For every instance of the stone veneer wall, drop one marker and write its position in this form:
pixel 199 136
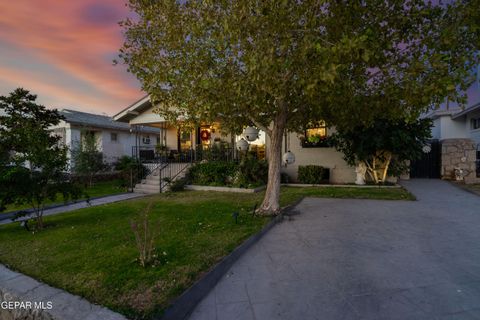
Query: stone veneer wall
pixel 459 153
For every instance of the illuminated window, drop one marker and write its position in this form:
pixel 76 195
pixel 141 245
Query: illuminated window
pixel 314 133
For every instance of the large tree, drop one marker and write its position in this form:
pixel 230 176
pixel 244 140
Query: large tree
pixel 280 64
pixel 33 162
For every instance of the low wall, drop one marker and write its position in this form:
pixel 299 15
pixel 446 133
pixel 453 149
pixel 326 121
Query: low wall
pixel 459 153
pixel 223 189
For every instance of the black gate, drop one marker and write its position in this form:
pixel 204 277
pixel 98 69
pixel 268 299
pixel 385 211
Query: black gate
pixel 429 165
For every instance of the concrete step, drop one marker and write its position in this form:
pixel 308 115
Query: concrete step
pixel 145 188
pixel 151 182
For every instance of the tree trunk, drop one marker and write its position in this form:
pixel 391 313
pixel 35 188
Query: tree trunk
pixel 271 202
pixel 387 165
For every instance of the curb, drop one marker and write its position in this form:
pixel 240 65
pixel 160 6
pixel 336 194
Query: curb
pixel 365 186
pixel 183 306
pixel 224 189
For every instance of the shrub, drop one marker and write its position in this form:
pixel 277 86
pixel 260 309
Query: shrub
pixel 312 174
pixel 144 237
pixel 131 170
pixel 215 173
pixel 251 173
pixel 178 185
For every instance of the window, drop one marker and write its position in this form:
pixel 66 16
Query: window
pixel 113 137
pixel 475 123
pixel 146 139
pixel 316 131
pixel 316 136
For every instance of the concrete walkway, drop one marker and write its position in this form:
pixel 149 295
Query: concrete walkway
pixel 7 218
pixel 42 302
pixel 361 259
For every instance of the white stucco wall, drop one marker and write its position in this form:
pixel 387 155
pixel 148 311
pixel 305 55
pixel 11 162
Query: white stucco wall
pixel 452 129
pixel 474 134
pixel 146 117
pixel 340 171
pixel 436 131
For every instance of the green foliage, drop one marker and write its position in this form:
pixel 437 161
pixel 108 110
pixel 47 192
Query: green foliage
pixel 178 185
pixel 214 173
pixel 386 144
pixel 249 173
pixel 312 174
pixel 33 161
pixel 282 64
pixel 131 170
pixel 87 158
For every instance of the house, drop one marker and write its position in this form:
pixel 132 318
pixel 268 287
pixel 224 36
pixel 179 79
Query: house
pixel 458 131
pixel 114 139
pixel 309 147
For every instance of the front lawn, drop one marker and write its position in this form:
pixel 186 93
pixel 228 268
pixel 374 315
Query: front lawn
pixel 99 189
pixel 91 252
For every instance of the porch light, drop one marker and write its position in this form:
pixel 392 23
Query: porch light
pixel 250 133
pixel 242 145
pixel 288 157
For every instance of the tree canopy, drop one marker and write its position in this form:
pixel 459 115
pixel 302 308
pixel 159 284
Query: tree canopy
pixel 282 64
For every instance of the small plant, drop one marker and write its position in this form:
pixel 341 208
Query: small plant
pixel 178 185
pixel 145 237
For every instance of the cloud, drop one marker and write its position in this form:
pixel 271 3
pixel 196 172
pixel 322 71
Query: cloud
pixel 72 44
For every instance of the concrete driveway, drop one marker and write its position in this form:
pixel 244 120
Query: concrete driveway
pixel 361 259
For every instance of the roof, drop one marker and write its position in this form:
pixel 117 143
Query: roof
pixel 133 110
pixel 99 121
pixel 473 108
pixel 434 114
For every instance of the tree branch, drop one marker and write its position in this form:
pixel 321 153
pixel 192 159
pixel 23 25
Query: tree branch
pixel 260 126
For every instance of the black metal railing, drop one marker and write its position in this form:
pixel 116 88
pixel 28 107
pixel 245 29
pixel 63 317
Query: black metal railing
pixel 169 164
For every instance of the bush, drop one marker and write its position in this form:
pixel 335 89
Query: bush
pixel 215 173
pixel 312 174
pixel 251 173
pixel 131 170
pixel 246 174
pixel 178 185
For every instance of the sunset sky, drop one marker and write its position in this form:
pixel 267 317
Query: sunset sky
pixel 63 51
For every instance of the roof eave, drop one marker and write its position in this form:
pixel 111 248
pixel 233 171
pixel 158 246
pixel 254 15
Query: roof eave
pixel 475 107
pixel 133 110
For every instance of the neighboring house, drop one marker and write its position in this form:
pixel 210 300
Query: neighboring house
pixel 307 146
pixel 458 131
pixel 114 139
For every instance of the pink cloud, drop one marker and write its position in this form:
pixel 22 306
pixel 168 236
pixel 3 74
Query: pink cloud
pixel 78 37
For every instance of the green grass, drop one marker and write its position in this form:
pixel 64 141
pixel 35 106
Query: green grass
pixel 99 189
pixel 91 252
